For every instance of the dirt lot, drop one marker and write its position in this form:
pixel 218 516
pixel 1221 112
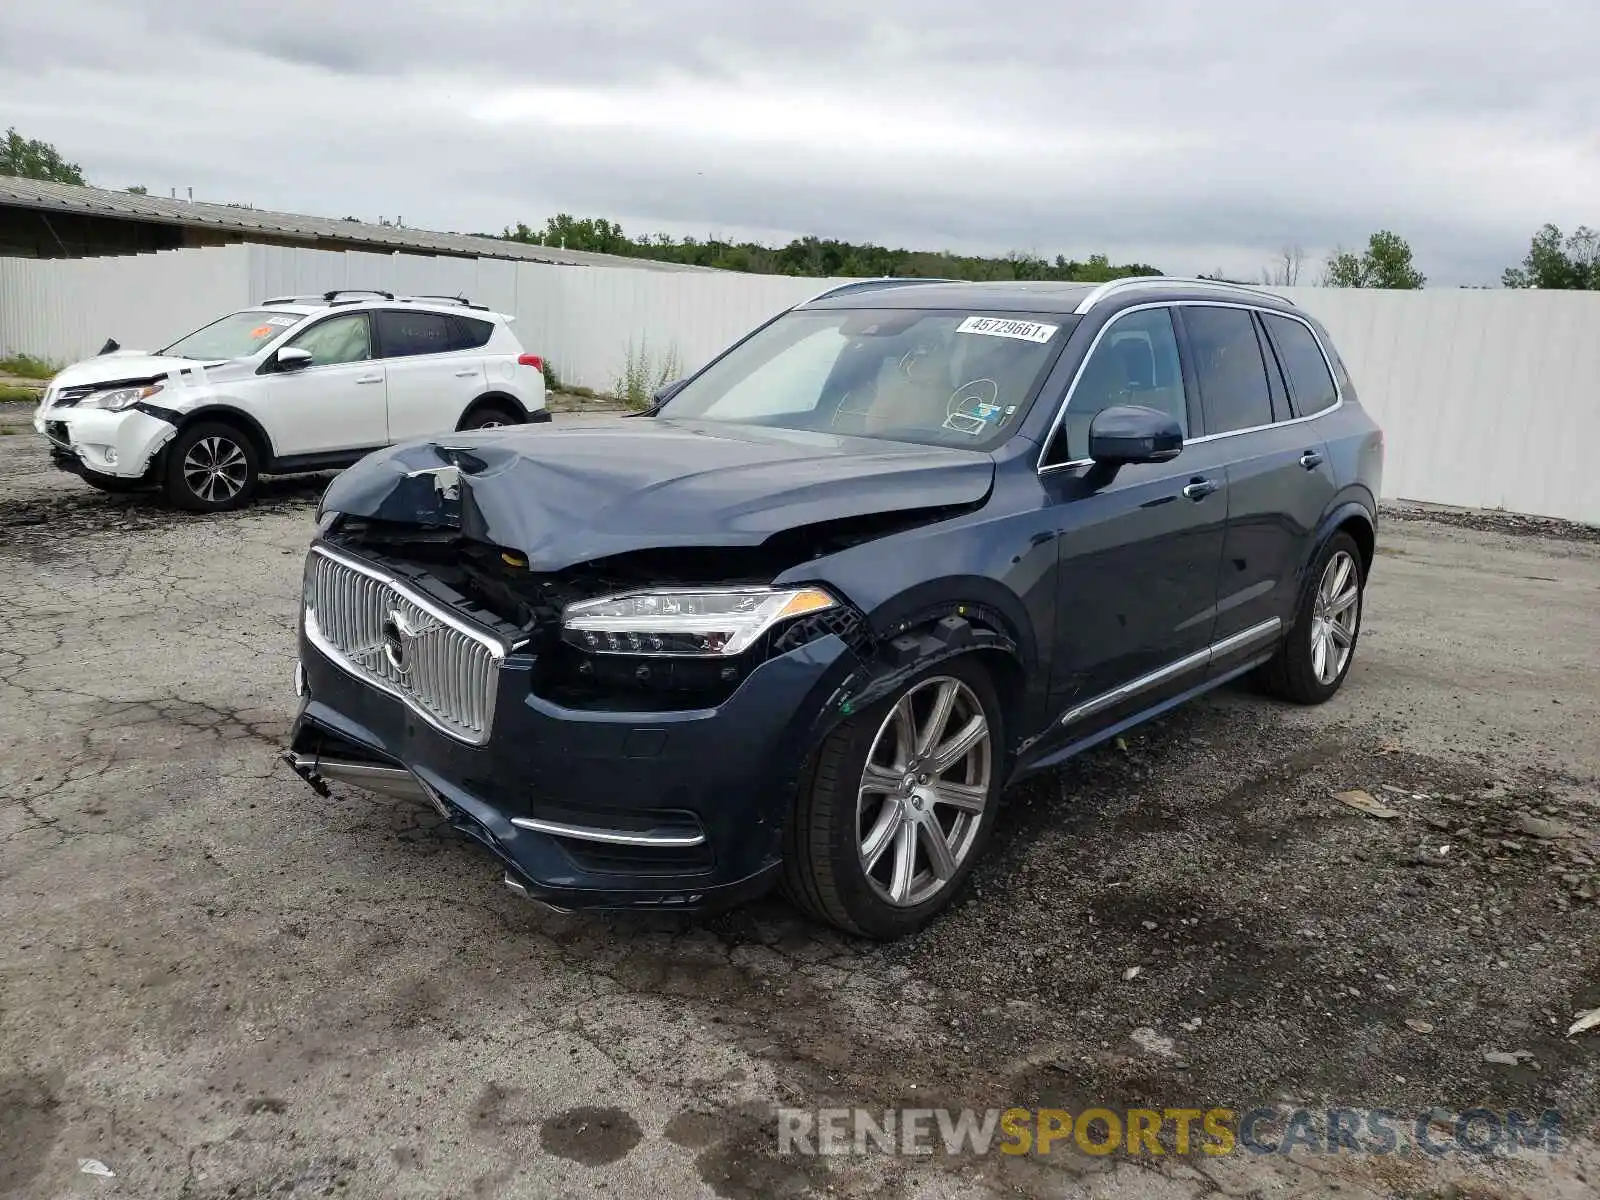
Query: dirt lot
pixel 220 985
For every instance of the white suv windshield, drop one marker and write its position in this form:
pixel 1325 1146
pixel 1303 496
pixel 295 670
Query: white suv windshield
pixel 237 335
pixel 941 377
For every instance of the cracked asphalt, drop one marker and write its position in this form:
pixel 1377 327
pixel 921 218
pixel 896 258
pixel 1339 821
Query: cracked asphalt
pixel 219 985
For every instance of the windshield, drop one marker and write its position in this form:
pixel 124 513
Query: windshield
pixel 237 335
pixel 935 377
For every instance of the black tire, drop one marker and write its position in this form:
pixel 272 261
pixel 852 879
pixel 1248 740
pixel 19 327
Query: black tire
pixel 110 483
pixel 191 483
pixel 1293 672
pixel 489 416
pixel 823 872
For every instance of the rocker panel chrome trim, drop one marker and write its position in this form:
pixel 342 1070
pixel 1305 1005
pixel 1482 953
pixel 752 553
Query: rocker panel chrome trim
pixel 1190 662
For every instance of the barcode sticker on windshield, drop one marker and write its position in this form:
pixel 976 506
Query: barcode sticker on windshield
pixel 282 320
pixel 1023 331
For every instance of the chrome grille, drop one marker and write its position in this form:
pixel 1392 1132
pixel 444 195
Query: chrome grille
pixel 66 397
pixel 411 647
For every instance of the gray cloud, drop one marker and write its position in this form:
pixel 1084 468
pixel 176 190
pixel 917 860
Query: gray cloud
pixel 1187 134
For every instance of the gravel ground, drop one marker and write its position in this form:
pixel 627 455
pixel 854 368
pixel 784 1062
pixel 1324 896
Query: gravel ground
pixel 16 418
pixel 219 985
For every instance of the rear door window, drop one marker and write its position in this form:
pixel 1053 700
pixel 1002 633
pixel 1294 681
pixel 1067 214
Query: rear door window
pixel 404 334
pixel 1229 366
pixel 1309 377
pixel 472 333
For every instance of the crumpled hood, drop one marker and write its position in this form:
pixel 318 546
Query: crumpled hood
pixel 573 493
pixel 113 368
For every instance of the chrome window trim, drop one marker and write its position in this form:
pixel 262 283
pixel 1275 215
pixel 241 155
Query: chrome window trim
pixel 1189 662
pixel 1061 413
pixel 496 647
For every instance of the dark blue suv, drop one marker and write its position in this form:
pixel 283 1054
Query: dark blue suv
pixel 804 619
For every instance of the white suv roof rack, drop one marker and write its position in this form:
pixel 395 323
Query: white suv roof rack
pixel 457 301
pixel 359 295
pixel 335 296
pixel 1135 281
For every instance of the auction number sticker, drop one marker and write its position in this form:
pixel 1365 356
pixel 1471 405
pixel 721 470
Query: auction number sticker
pixel 1022 331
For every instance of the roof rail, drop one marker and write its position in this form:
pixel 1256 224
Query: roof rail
pixel 460 301
pixel 330 297
pixel 1134 281
pixel 869 285
pixel 294 300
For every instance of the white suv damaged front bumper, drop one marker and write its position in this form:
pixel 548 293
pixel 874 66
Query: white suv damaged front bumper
pixel 119 444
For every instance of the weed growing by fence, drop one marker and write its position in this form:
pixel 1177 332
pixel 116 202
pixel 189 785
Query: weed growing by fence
pixel 642 376
pixel 26 366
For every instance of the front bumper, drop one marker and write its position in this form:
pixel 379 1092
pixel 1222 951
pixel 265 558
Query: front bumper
pixel 594 809
pixel 117 444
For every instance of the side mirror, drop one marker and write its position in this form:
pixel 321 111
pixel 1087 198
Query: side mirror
pixel 292 358
pixel 1131 433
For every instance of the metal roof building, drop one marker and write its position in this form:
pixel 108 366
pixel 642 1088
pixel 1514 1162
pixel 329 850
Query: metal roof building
pixel 39 219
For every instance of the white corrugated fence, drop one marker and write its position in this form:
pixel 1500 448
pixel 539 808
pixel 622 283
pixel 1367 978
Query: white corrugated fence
pixel 1488 399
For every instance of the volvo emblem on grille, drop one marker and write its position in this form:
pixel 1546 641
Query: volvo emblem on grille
pixel 398 635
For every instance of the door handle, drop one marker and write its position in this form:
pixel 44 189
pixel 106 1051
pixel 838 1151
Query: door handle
pixel 1311 460
pixel 1199 488
pixel 465 374
pixel 370 379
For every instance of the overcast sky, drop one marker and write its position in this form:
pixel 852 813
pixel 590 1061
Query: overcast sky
pixel 1194 134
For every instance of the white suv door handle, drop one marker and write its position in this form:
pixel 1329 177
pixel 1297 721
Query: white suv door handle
pixel 370 379
pixel 466 374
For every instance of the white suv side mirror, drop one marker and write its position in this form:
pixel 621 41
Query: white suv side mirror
pixel 292 358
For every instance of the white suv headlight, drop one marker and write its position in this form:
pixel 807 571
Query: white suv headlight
pixel 710 623
pixel 119 398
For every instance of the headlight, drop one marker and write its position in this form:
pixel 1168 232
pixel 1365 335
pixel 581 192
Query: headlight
pixel 121 398
pixel 706 624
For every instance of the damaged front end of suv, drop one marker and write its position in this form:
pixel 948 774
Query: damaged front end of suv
pixel 806 617
pixel 610 652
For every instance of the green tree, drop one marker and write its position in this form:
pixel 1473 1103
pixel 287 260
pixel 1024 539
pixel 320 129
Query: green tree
pixel 1554 261
pixel 30 158
pixel 137 189
pixel 815 256
pixel 1385 263
pixel 572 233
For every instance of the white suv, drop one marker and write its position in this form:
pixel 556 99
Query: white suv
pixel 302 383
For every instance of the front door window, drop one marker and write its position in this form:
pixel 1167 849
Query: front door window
pixel 343 339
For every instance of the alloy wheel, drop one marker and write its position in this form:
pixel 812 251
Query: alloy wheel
pixel 215 469
pixel 1335 618
pixel 923 791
